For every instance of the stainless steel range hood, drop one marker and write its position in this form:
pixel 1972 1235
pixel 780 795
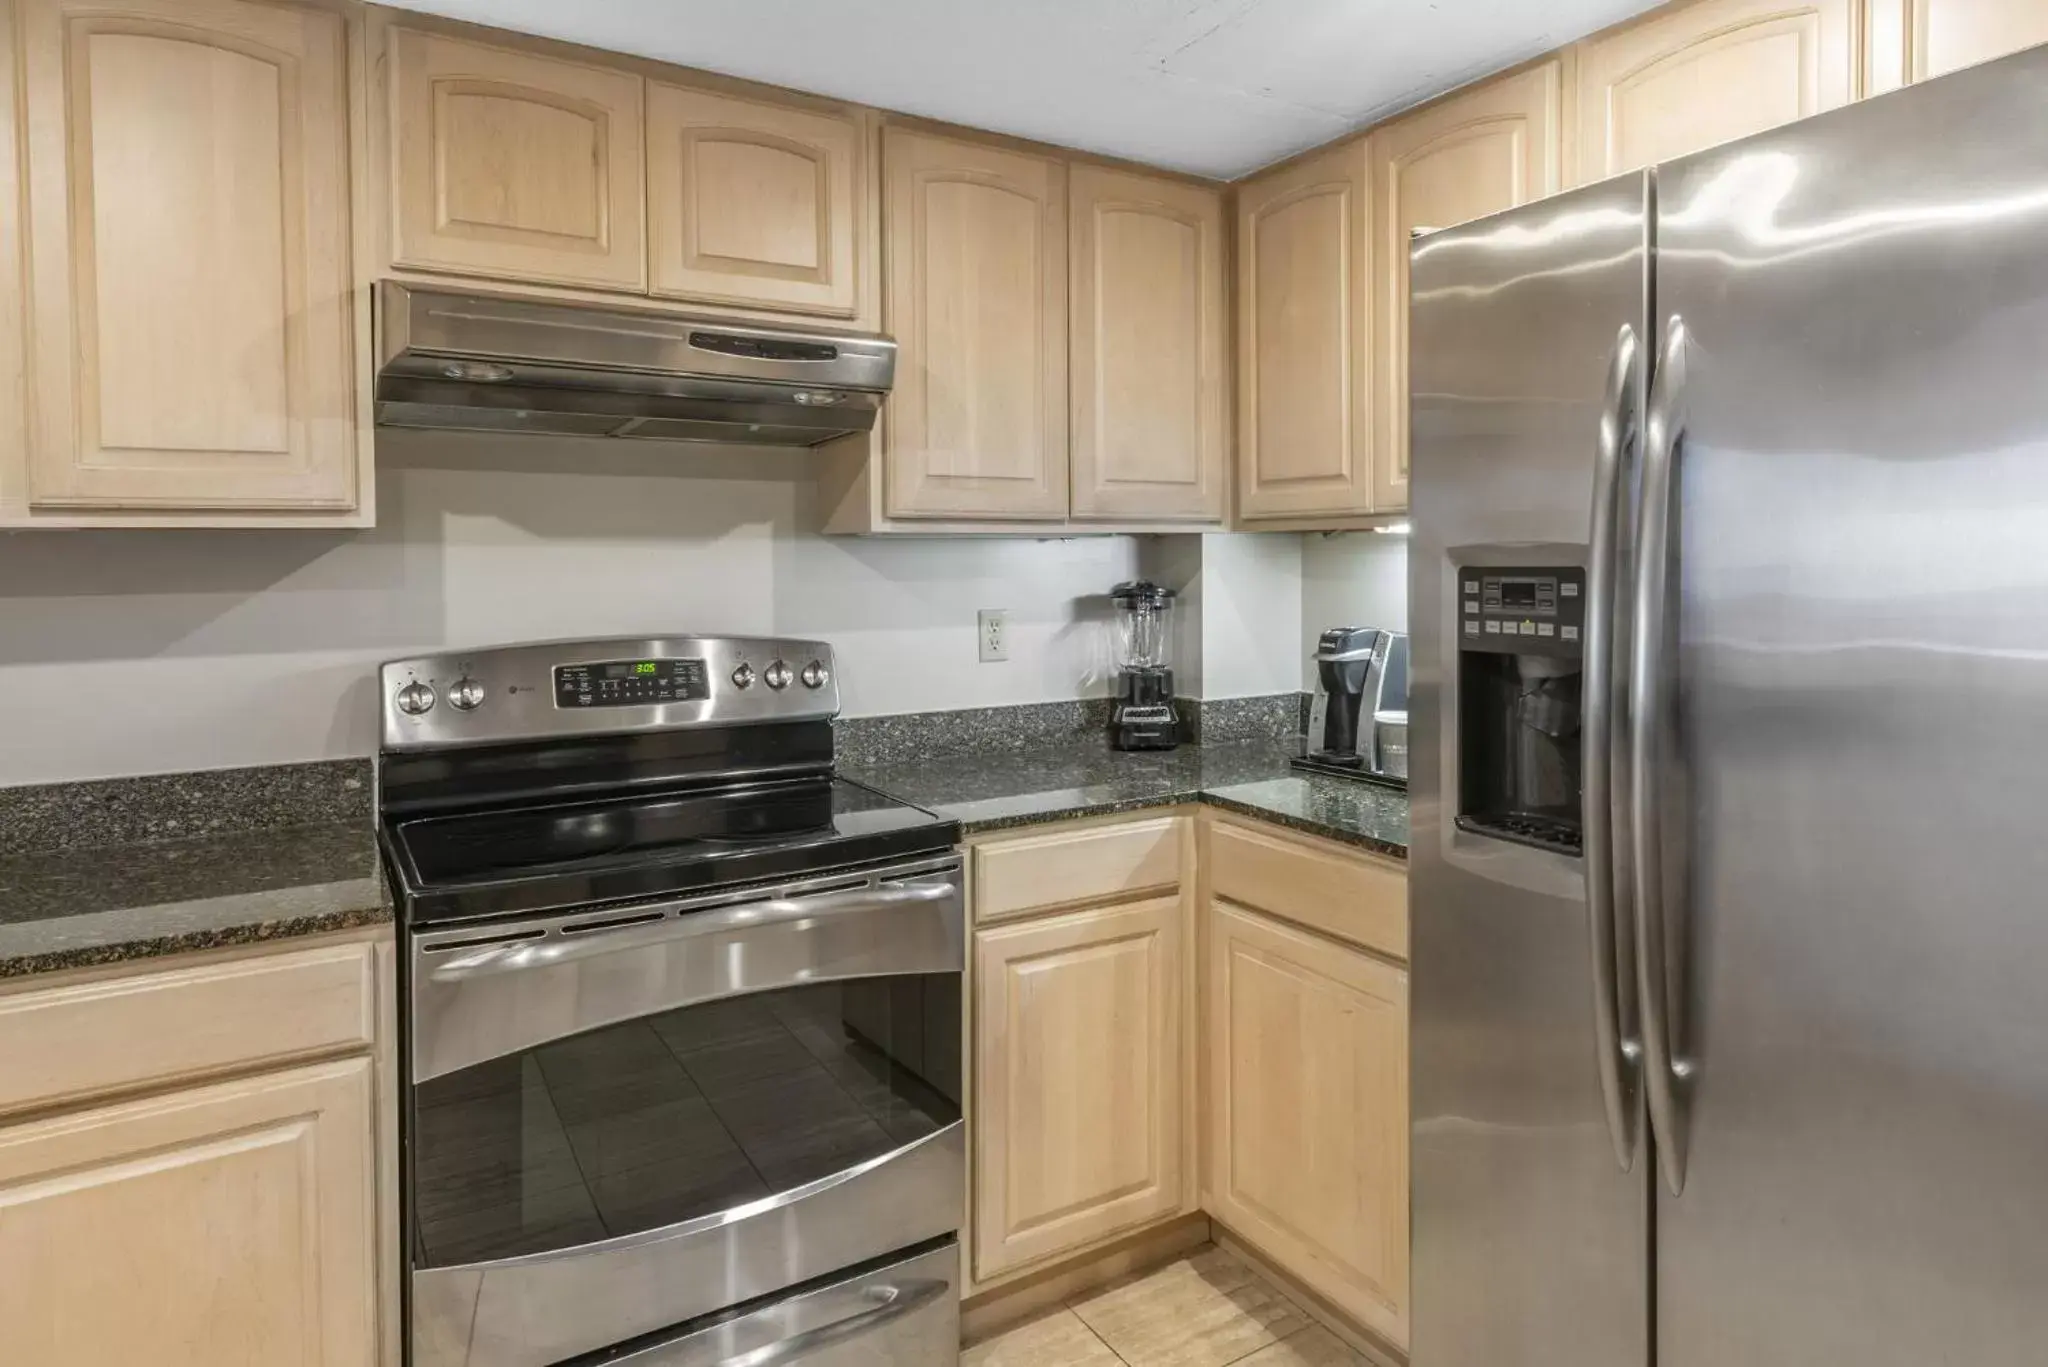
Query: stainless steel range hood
pixel 481 362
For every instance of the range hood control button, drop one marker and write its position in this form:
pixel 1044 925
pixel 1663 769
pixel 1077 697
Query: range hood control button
pixel 778 676
pixel 743 677
pixel 815 674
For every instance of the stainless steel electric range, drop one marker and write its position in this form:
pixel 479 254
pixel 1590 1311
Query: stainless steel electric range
pixel 682 1022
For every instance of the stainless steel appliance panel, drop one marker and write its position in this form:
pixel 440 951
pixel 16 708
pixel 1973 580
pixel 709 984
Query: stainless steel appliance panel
pixel 481 993
pixel 484 362
pixel 536 1311
pixel 1530 1240
pixel 506 693
pixel 1852 678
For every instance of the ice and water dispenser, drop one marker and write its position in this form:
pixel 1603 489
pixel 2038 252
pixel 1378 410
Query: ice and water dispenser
pixel 1521 635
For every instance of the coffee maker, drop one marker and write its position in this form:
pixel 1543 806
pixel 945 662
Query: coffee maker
pixel 1143 717
pixel 1358 726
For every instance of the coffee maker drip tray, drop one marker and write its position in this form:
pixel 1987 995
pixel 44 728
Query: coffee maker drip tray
pixel 1352 767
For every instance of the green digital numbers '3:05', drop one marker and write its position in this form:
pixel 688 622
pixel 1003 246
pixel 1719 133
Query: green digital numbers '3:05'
pixel 646 667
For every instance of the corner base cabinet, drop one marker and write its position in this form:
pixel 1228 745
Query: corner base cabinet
pixel 1307 1053
pixel 189 330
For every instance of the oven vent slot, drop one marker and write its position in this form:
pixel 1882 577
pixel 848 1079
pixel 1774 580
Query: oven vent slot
pixel 612 923
pixel 482 942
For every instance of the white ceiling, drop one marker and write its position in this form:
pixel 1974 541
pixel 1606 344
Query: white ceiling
pixel 1217 87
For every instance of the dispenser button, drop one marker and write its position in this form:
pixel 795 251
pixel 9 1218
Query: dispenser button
pixel 1571 590
pixel 1545 629
pixel 1493 628
pixel 1571 633
pixel 1471 628
pixel 1472 606
pixel 1471 586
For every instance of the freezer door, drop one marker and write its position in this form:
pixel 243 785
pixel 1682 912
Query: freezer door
pixel 1856 964
pixel 1530 1243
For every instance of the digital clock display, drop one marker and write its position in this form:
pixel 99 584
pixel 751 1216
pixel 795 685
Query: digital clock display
pixel 631 683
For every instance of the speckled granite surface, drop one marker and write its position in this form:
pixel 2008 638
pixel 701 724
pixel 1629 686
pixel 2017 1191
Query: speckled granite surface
pixel 1032 727
pixel 993 792
pixel 125 811
pixel 75 908
pixel 131 868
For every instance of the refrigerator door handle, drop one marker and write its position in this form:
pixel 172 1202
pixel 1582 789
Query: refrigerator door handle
pixel 1606 868
pixel 1649 706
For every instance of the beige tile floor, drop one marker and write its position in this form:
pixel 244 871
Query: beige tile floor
pixel 1208 1310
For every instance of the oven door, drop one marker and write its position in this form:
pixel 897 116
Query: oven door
pixel 624 1120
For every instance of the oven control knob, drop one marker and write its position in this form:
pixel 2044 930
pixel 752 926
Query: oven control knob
pixel 416 698
pixel 743 677
pixel 815 674
pixel 466 693
pixel 778 676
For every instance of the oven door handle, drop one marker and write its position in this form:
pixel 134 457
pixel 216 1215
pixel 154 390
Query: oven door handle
pixel 516 956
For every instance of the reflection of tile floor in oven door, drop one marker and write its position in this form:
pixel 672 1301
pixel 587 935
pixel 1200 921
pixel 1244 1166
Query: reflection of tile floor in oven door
pixel 652 1122
pixel 1208 1310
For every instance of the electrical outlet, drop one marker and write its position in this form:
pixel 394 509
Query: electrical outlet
pixel 994 630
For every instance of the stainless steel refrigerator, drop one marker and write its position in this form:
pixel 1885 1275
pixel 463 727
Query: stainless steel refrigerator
pixel 1729 866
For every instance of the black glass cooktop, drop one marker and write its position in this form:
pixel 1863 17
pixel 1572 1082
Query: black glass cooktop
pixel 550 855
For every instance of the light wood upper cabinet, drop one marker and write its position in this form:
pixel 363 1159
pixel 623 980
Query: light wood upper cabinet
pixel 225 1224
pixel 1698 75
pixel 1149 361
pixel 1307 1047
pixel 1913 40
pixel 1489 148
pixel 975 255
pixel 756 205
pixel 1078 1080
pixel 515 166
pixel 1304 443
pixel 189 323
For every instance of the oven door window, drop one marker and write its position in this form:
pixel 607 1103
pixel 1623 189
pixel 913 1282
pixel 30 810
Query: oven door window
pixel 674 1117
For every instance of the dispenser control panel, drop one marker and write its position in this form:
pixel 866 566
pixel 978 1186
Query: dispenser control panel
pixel 1522 611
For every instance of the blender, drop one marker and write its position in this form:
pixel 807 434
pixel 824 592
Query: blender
pixel 1143 717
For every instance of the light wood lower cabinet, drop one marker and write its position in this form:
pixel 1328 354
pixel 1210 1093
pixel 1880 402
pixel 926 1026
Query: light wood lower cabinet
pixel 188 320
pixel 1689 77
pixel 226 1226
pixel 1079 1067
pixel 1307 1047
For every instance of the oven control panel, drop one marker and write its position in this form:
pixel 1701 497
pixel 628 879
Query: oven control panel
pixel 1522 611
pixel 631 683
pixel 568 688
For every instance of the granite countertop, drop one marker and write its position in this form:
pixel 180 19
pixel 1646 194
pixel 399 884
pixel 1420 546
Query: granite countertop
pixel 994 792
pixel 72 908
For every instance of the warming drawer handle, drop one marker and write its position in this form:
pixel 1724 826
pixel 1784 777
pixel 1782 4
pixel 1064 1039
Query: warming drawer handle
pixel 892 1302
pixel 1660 929
pixel 518 956
pixel 1611 943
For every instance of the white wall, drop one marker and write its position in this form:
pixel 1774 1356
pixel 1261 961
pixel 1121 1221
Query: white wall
pixel 1353 579
pixel 1251 614
pixel 128 652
